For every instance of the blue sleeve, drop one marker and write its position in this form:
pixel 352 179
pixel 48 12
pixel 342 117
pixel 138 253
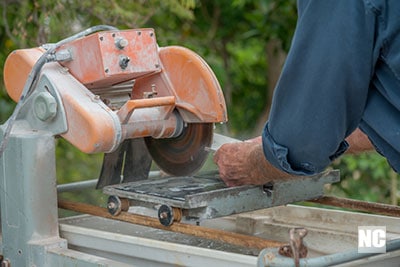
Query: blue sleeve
pixel 321 94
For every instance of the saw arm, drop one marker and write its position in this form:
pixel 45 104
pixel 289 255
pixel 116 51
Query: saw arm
pixel 119 85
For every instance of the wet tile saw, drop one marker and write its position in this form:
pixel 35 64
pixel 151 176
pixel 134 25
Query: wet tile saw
pixel 117 92
pixel 123 95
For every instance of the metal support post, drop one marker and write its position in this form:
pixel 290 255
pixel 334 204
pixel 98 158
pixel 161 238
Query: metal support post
pixel 28 194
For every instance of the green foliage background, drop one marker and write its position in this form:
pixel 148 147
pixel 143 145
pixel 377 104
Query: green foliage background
pixel 233 36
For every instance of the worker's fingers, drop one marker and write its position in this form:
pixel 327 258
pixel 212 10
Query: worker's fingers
pixel 223 159
pixel 232 161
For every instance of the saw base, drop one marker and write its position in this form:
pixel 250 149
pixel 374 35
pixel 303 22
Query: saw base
pixel 205 196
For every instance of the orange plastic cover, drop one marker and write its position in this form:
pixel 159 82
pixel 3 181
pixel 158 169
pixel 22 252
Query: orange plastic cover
pixel 17 67
pixel 188 77
pixel 92 126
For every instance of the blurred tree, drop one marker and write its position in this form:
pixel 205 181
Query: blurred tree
pixel 366 176
pixel 245 42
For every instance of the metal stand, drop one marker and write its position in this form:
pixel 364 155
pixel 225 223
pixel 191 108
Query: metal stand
pixel 29 215
pixel 30 218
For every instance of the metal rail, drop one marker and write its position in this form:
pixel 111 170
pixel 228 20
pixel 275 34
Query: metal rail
pixel 89 184
pixel 268 258
pixel 77 186
pixel 371 207
pixel 194 230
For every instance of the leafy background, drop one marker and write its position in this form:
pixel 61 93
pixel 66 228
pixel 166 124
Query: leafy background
pixel 244 41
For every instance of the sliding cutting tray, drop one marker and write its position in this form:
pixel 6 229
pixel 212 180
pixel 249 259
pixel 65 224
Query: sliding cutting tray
pixel 205 196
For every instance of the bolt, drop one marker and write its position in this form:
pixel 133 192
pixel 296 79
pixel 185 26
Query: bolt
pixel 45 106
pixel 111 205
pixel 163 215
pixel 121 43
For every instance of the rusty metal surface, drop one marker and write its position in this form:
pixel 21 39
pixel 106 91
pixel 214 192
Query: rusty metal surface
pixel 329 231
pixel 197 231
pixel 144 246
pixel 372 207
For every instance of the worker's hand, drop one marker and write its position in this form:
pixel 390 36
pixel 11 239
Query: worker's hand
pixel 245 163
pixel 236 162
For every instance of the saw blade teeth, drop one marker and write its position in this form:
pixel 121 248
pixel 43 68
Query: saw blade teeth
pixel 183 155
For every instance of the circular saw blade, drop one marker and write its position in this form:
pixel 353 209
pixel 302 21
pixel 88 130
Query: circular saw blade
pixel 185 154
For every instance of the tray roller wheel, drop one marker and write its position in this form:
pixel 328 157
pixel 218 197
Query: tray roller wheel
pixel 115 205
pixel 167 215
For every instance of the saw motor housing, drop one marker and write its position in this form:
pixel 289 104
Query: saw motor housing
pixel 119 85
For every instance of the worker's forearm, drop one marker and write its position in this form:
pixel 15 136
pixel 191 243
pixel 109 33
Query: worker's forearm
pixel 358 142
pixel 245 162
pixel 264 168
pixel 259 162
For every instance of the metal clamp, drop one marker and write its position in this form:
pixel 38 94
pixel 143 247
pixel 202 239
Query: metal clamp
pixel 296 248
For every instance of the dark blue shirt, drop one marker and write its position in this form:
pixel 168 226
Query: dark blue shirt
pixel 342 72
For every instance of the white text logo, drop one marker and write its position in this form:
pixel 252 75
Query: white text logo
pixel 371 239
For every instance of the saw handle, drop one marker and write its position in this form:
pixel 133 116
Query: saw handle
pixel 127 109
